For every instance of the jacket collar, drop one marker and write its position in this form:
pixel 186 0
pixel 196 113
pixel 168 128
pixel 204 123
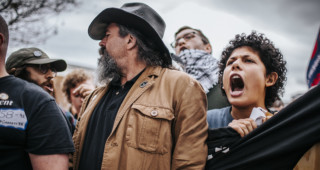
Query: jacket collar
pixel 152 71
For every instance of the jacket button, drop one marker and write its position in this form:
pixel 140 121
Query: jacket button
pixel 143 84
pixel 154 113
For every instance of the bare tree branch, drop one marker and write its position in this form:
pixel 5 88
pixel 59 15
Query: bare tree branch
pixel 28 18
pixel 5 4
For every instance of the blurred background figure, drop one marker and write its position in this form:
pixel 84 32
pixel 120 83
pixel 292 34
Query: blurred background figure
pixel 194 53
pixel 76 86
pixel 296 96
pixel 277 105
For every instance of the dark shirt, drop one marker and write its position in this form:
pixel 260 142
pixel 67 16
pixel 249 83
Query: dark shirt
pixel 101 123
pixel 216 98
pixel 30 122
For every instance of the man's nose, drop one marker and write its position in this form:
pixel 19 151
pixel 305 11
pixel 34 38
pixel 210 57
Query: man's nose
pixel 50 74
pixel 102 43
pixel 180 42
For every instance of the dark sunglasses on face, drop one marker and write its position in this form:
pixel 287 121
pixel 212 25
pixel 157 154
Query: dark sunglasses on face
pixel 44 68
pixel 186 37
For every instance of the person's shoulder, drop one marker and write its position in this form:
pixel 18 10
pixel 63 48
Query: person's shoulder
pixel 15 80
pixel 218 112
pixel 26 94
pixel 173 77
pixel 174 71
pixel 23 85
pixel 182 80
pixel 31 90
pixel 176 74
pixel 218 117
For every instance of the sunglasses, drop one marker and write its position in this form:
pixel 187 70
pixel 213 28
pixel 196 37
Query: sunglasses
pixel 44 68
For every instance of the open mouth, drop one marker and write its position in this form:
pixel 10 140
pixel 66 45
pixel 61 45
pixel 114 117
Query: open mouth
pixel 48 86
pixel 183 48
pixel 237 84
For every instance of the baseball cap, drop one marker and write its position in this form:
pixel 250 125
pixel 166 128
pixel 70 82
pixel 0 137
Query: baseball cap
pixel 33 56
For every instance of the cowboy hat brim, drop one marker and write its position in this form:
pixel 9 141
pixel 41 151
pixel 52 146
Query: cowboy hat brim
pixel 97 28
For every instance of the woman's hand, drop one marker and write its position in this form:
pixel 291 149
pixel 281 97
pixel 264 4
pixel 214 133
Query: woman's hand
pixel 243 126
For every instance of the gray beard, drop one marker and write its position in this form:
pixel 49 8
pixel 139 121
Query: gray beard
pixel 107 68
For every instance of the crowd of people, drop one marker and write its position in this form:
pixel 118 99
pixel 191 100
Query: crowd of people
pixel 153 109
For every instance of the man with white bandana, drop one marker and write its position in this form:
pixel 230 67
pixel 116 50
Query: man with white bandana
pixel 193 51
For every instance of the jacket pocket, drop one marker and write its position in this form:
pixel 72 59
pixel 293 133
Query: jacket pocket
pixel 149 128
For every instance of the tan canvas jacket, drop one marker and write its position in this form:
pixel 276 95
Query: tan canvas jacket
pixel 160 125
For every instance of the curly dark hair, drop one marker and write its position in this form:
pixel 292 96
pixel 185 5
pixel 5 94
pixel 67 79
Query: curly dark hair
pixel 271 57
pixel 73 79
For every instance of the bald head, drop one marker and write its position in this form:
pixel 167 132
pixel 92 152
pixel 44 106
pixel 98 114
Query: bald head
pixel 4 37
pixel 4 28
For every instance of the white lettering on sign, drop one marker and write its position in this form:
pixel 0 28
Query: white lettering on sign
pixel 6 102
pixel 13 118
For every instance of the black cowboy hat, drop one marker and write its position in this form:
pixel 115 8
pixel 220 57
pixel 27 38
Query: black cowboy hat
pixel 135 15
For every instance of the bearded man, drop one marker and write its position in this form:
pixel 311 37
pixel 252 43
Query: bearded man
pixel 147 115
pixel 35 66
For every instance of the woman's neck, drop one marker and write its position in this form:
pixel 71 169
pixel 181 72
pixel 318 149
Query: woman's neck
pixel 242 112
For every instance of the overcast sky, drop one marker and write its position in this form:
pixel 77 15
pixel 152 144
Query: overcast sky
pixel 291 24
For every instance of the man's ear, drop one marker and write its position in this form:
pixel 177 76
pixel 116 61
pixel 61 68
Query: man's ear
pixel 271 79
pixel 208 48
pixel 131 41
pixel 12 71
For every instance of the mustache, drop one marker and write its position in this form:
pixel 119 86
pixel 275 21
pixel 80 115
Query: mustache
pixel 48 83
pixel 102 51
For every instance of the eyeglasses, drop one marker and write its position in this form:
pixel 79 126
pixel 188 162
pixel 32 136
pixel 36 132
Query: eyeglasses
pixel 44 68
pixel 186 37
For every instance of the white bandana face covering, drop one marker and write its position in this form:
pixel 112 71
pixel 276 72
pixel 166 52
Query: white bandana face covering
pixel 202 66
